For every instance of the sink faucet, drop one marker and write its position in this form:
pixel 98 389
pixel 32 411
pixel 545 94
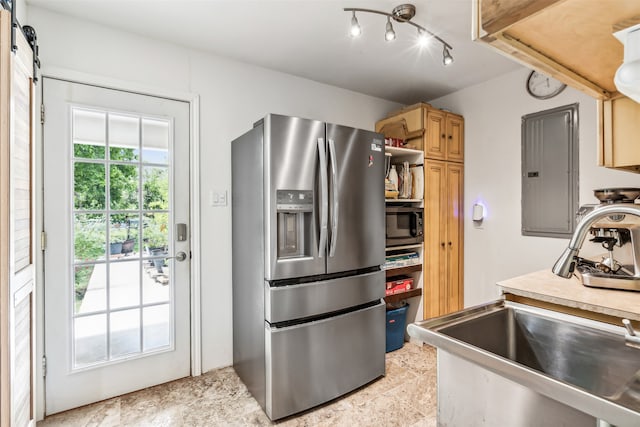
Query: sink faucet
pixel 565 265
pixel 631 338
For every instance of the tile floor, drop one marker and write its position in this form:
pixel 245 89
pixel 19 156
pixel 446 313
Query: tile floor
pixel 406 396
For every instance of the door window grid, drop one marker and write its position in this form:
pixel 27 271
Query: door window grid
pixel 140 339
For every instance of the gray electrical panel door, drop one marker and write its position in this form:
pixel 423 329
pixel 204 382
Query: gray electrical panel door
pixel 550 172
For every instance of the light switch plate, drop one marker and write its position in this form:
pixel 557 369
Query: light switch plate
pixel 218 198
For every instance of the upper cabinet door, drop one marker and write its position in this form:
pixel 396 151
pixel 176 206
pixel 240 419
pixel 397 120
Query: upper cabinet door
pixel 444 136
pixel 455 138
pixel 436 137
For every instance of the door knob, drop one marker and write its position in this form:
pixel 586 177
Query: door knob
pixel 181 256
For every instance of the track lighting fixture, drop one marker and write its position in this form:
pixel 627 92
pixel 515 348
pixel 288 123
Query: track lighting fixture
pixel 447 59
pixel 355 26
pixel 423 37
pixel 402 14
pixel 389 34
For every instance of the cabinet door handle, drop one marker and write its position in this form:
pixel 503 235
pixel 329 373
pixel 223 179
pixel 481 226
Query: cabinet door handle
pixel 442 244
pixel 449 243
pixel 444 136
pixel 450 137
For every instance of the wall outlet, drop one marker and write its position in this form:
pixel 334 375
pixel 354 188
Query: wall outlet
pixel 218 198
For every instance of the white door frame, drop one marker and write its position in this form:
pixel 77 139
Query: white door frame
pixel 194 196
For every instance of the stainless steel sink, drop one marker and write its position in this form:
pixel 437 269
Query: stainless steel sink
pixel 581 363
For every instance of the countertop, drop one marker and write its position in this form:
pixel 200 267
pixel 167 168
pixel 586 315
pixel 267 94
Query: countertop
pixel 545 286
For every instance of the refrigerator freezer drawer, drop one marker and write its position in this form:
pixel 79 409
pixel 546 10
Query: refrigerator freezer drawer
pixel 312 363
pixel 292 302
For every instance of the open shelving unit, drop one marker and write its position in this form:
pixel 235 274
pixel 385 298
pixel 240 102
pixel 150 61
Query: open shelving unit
pixel 412 296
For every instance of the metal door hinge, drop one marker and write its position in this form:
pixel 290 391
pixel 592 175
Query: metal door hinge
pixel 44 366
pixel 41 114
pixel 43 241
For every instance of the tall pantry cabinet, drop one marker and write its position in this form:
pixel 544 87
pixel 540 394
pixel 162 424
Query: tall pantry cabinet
pixel 441 135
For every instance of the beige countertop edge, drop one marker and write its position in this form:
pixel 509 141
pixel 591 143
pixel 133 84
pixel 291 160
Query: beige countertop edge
pixel 545 286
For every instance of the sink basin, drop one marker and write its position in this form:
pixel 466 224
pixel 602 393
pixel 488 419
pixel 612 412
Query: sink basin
pixel 582 363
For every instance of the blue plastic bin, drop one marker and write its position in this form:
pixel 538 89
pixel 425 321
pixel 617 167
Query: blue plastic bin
pixel 396 321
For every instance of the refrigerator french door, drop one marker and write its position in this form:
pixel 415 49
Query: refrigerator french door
pixel 308 245
pixel 324 205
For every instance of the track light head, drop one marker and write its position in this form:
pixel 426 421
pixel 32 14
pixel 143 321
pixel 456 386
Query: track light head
pixel 447 59
pixel 423 37
pixel 389 34
pixel 355 30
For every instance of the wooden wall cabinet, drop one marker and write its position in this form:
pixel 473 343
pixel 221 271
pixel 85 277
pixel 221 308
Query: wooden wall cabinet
pixel 439 133
pixel 444 248
pixel 620 130
pixel 573 43
pixel 444 136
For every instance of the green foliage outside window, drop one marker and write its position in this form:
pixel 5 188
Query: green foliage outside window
pixel 90 230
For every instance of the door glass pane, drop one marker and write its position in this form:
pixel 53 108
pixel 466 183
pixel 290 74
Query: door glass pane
pixel 125 333
pixel 89 186
pixel 155 194
pixel 123 183
pixel 156 281
pixel 90 288
pixel 89 134
pixel 90 236
pixel 124 284
pixel 155 233
pixel 155 141
pixel 90 340
pixel 124 137
pixel 157 330
pixel 123 235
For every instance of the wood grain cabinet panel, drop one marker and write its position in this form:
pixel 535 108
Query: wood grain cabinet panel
pixel 620 127
pixel 455 138
pixel 444 136
pixel 435 135
pixel 443 211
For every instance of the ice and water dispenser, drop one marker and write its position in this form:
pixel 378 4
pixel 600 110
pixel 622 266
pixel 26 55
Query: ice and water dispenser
pixel 295 210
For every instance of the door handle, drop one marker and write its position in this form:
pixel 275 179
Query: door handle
pixel 324 195
pixel 334 196
pixel 180 256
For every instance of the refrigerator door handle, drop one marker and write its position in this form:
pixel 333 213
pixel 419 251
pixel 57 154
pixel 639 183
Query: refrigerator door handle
pixel 324 194
pixel 334 196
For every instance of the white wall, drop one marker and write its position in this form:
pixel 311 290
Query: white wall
pixel 232 97
pixel 492 112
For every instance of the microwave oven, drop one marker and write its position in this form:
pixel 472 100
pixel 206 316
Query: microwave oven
pixel 404 225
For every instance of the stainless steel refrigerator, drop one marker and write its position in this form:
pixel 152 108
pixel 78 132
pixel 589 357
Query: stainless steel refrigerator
pixel 308 245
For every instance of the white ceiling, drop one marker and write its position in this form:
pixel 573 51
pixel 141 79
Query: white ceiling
pixel 309 38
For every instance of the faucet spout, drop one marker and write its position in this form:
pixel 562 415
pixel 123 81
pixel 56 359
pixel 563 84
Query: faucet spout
pixel 565 265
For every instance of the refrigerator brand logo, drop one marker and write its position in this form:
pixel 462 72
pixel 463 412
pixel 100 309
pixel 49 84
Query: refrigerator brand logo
pixel 376 147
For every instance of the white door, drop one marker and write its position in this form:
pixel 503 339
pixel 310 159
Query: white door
pixel 116 213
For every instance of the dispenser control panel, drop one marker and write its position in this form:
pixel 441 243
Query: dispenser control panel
pixel 294 200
